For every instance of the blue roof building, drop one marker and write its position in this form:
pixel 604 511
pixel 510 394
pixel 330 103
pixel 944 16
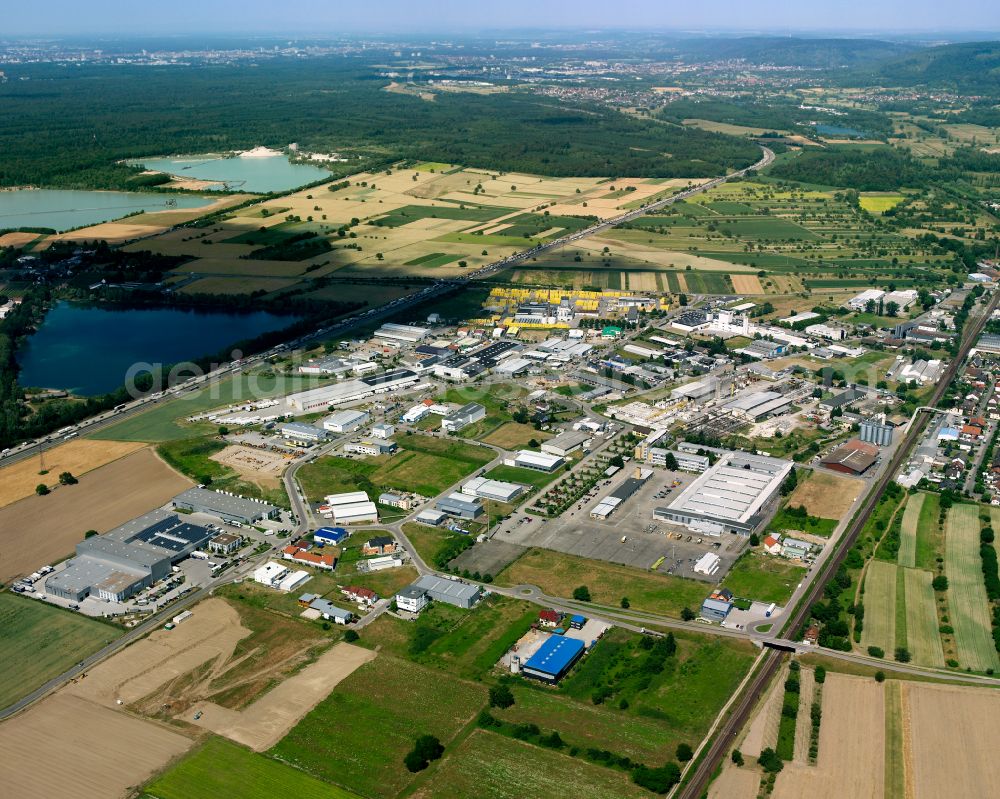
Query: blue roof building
pixel 330 535
pixel 553 659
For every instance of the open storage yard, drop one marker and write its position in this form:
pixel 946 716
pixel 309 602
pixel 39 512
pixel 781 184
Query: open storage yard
pixel 40 530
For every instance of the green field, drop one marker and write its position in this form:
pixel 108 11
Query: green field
pixel 414 213
pixel 816 525
pixel 432 259
pixel 557 574
pixel 895 761
pixel 529 477
pixel 464 643
pixel 423 464
pixel 663 709
pixel 357 736
pixel 490 766
pixel 765 578
pixel 40 641
pixel 907 555
pixel 930 538
pixel 878 202
pixel 967 603
pixel 215 769
pixel 880 606
pixel 165 421
pixel 922 637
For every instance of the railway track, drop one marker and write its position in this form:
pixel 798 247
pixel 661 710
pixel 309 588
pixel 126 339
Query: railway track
pixel 698 781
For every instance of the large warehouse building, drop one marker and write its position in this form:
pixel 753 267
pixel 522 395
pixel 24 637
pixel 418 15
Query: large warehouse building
pixel 553 659
pixel 118 564
pixel 732 496
pixel 318 399
pixel 227 507
pixel 852 457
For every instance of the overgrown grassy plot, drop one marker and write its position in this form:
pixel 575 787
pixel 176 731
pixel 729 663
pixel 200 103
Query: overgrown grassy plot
pixel 765 578
pixel 907 555
pixel 557 574
pixel 969 607
pixel 490 766
pixel 880 606
pixel 218 767
pixel 40 641
pixel 466 644
pixel 923 639
pixel 357 737
pixel 930 537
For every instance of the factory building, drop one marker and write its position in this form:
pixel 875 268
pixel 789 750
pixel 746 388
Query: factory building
pixel 613 501
pixel 553 659
pixel 460 505
pixel 496 490
pixel 349 508
pixel 539 461
pixel 405 334
pixel 699 391
pixel 228 507
pixel 853 457
pixel 758 405
pixel 732 496
pixel 303 432
pixel 275 575
pixel 345 421
pixel 565 443
pixel 352 390
pixel 118 564
pixel 368 447
pixel 463 417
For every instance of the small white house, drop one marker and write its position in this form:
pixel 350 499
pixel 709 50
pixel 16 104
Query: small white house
pixel 412 599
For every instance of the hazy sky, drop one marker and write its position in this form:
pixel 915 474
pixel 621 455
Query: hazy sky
pixel 333 16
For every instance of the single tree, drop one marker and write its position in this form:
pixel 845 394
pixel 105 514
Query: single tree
pixel 501 696
pixel 581 593
pixel 687 614
pixel 41 489
pixel 940 583
pixel 67 479
pixel 625 603
pixel 737 757
pixel 684 752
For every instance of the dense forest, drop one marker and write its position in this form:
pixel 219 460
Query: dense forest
pixel 68 127
pixel 879 169
pixel 772 115
pixel 971 67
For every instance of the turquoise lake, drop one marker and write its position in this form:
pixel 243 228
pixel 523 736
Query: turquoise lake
pixel 89 350
pixel 64 210
pixel 837 130
pixel 257 175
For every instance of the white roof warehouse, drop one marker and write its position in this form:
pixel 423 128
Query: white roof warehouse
pixel 732 496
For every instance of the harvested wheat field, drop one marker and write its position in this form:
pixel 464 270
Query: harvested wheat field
pixel 78 456
pixel 261 466
pixel 265 722
pixel 39 530
pixel 735 783
pixel 211 633
pixel 17 239
pixel 747 284
pixel 68 746
pixel 851 745
pixel 803 723
pixel 826 495
pixel 951 740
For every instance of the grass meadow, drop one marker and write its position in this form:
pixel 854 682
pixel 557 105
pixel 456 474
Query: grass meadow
pixel 967 603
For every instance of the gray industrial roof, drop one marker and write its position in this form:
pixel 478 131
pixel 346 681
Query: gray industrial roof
pixel 223 503
pixel 735 488
pixel 451 588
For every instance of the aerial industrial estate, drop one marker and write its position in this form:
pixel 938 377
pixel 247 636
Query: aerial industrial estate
pixel 613 421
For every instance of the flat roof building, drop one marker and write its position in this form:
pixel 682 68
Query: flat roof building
pixel 409 334
pixel 301 431
pixel 758 405
pixel 460 505
pixel 497 490
pixel 463 417
pixel 227 507
pixel 370 447
pixel 451 592
pixel 352 390
pixel 539 461
pixel 732 496
pixel 345 421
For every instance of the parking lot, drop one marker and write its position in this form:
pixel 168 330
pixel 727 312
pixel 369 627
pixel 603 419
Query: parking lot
pixel 630 535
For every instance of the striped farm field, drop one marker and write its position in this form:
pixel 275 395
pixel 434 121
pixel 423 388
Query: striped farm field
pixel 922 638
pixel 967 602
pixel 908 532
pixel 930 544
pixel 880 606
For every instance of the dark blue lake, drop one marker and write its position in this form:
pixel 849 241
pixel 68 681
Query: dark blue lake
pixel 89 350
